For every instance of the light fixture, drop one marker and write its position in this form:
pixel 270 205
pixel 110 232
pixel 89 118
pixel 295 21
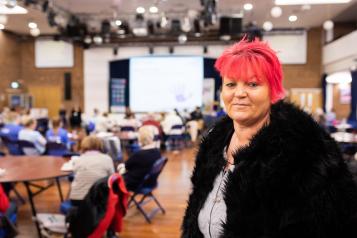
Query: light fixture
pixel 32 25
pixel 14 10
pixel 87 40
pixel 2 26
pixel 14 85
pixel 153 9
pixel 140 10
pixel 328 25
pixel 98 39
pixel 118 22
pixel 293 18
pixel 302 2
pixel 3 19
pixel 267 26
pixel 182 39
pixel 248 6
pixel 186 25
pixel 35 32
pixel 276 12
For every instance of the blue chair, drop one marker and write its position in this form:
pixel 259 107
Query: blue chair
pixel 65 207
pixel 176 139
pixel 28 148
pixel 11 145
pixel 145 191
pixel 56 149
pixel 8 224
pixel 90 127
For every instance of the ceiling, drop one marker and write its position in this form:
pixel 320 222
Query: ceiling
pixel 100 9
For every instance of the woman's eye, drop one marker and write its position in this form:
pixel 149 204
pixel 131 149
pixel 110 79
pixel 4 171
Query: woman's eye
pixel 252 84
pixel 230 85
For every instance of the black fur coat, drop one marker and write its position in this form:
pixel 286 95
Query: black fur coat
pixel 290 181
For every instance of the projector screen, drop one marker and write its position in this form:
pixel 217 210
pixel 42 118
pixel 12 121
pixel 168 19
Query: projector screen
pixel 162 83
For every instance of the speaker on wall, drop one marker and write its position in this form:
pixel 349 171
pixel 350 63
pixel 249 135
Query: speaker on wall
pixel 230 25
pixel 67 86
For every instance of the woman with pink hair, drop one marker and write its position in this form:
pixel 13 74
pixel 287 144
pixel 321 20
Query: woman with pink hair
pixel 267 169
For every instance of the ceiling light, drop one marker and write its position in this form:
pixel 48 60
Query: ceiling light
pixel 328 25
pixel 14 85
pixel 182 39
pixel 35 32
pixel 87 40
pixel 118 22
pixel 3 19
pixel 98 39
pixel 14 10
pixel 2 27
pixel 140 10
pixel 276 12
pixel 293 18
pixel 153 9
pixel 248 6
pixel 302 2
pixel 32 25
pixel 267 26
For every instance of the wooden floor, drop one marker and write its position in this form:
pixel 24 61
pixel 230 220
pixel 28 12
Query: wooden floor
pixel 174 186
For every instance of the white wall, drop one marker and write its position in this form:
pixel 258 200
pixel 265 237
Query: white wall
pixel 340 55
pixel 96 69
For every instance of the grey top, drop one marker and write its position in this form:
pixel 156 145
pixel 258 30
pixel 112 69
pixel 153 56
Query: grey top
pixel 214 212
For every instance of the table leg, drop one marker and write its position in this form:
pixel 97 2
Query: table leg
pixel 59 189
pixel 33 208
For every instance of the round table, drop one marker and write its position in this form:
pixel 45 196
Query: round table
pixel 27 169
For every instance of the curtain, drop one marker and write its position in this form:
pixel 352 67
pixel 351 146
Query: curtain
pixel 352 119
pixel 323 87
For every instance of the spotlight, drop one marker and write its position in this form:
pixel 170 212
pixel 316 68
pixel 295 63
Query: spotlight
pixel 14 85
pixel 98 39
pixel 293 18
pixel 328 25
pixel 248 6
pixel 105 29
pixel 182 39
pixel 153 9
pixel 87 40
pixel 276 12
pixel 118 22
pixel 32 25
pixel 140 10
pixel 267 26
pixel 35 32
pixel 2 27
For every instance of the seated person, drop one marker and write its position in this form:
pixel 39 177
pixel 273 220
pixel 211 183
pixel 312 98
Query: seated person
pixel 7 209
pixel 28 133
pixel 140 163
pixel 88 168
pixel 57 133
pixel 11 127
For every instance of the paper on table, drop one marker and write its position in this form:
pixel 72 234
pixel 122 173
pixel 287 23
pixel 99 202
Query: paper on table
pixel 68 166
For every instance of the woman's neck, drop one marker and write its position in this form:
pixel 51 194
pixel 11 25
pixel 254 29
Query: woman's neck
pixel 244 133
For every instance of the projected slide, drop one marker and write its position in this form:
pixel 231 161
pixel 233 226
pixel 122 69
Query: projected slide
pixel 164 83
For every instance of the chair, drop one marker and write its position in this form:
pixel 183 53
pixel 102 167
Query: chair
pixel 175 139
pixel 56 149
pixel 28 148
pixel 146 188
pixel 11 145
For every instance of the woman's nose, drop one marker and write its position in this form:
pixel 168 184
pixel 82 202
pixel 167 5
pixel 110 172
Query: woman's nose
pixel 240 91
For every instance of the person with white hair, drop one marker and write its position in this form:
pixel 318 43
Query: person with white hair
pixel 140 163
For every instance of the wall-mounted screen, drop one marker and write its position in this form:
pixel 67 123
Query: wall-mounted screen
pixel 53 54
pixel 162 83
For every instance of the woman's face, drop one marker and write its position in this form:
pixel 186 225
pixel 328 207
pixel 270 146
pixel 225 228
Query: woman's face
pixel 246 101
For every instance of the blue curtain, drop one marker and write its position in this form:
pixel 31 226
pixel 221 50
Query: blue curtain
pixel 119 69
pixel 323 87
pixel 211 72
pixel 352 117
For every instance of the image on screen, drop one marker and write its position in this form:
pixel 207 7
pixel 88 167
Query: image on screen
pixel 162 83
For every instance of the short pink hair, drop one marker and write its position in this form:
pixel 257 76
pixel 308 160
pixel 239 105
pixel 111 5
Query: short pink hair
pixel 257 55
